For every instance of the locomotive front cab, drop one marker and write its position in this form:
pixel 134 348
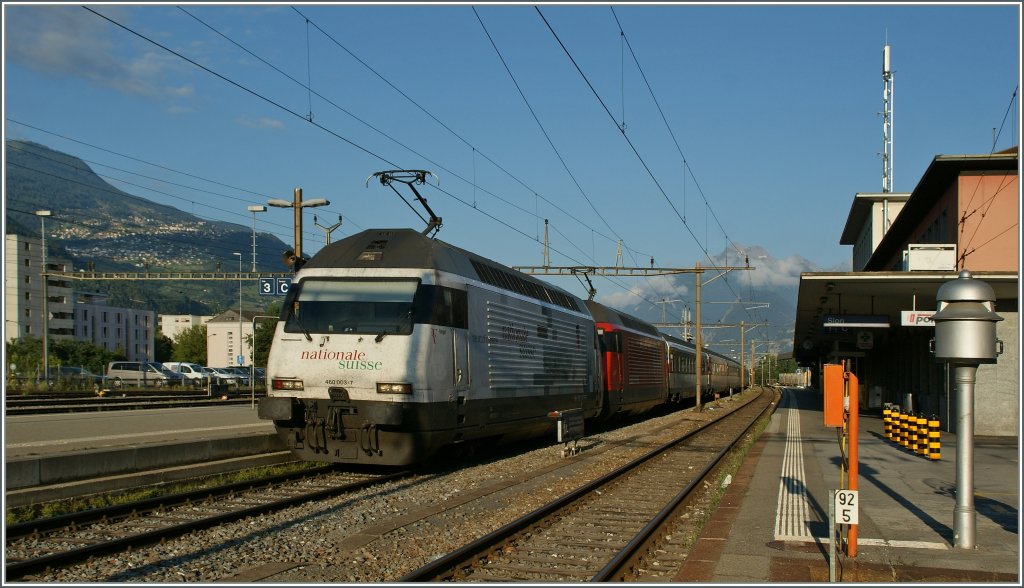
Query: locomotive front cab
pixel 362 369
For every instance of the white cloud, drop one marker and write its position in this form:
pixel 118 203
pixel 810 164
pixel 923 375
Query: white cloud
pixel 653 289
pixel 68 41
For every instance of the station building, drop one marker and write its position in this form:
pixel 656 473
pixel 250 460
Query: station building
pixel 963 214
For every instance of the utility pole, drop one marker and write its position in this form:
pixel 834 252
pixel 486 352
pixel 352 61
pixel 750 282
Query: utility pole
pixel 547 254
pixel 297 205
pixel 699 339
pixel 743 367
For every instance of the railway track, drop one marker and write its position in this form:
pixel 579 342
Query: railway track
pixel 614 528
pixel 36 546
pixel 87 403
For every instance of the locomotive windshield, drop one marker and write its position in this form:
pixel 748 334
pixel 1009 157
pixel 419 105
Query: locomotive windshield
pixel 350 306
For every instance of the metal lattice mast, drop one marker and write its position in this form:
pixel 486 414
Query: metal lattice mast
pixel 887 104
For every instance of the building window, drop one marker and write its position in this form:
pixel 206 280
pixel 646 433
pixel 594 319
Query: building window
pixel 28 312
pixel 28 279
pixel 28 296
pixel 27 264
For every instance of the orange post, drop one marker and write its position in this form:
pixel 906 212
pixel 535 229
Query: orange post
pixel 833 394
pixel 854 421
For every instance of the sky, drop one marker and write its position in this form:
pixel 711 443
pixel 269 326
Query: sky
pixel 692 129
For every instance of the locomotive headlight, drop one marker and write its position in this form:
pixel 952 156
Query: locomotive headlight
pixel 383 388
pixel 286 384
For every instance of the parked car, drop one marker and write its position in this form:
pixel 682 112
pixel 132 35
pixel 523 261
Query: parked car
pixel 222 376
pixel 242 373
pixel 192 373
pixel 75 376
pixel 141 373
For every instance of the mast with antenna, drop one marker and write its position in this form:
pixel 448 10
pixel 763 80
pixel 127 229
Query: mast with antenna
pixel 887 98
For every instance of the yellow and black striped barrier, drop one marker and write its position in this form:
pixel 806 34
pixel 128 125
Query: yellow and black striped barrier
pixel 915 433
pixel 934 442
pixel 904 430
pixel 921 443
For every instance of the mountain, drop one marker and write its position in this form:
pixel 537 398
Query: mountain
pixel 96 223
pixel 765 294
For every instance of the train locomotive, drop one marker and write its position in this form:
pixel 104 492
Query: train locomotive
pixel 391 345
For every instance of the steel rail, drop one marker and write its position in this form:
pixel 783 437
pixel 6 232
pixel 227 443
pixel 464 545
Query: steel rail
pixel 436 568
pixel 146 505
pixel 615 568
pixel 39 564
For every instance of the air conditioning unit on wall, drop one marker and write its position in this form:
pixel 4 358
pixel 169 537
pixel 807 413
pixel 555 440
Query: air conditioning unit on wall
pixel 930 257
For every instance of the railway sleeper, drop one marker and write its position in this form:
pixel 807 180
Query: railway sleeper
pixel 524 572
pixel 554 544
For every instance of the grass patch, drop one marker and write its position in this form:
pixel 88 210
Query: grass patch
pixel 44 510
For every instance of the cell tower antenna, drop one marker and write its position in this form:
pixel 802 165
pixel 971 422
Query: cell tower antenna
pixel 887 110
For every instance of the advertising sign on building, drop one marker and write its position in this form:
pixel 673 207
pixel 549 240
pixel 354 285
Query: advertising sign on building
pixel 917 318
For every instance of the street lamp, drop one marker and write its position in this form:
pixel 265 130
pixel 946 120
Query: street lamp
pixel 297 205
pixel 254 210
pixel 240 354
pixel 42 214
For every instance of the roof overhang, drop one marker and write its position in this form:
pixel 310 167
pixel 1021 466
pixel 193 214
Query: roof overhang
pixel 860 212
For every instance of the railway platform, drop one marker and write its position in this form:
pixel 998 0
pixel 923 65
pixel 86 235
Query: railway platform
pixel 65 455
pixel 772 522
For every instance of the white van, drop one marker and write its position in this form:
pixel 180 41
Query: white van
pixel 141 373
pixel 192 372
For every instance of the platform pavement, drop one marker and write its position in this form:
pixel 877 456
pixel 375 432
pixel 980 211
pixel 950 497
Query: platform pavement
pixel 51 457
pixel 771 525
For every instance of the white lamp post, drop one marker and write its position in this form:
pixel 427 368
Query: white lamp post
pixel 42 214
pixel 254 210
pixel 240 352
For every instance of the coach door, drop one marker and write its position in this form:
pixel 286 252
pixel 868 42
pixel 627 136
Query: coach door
pixel 460 371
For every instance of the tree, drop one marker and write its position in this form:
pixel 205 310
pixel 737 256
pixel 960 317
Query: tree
pixel 27 354
pixel 190 345
pixel 163 347
pixel 264 334
pixel 81 354
pixel 25 357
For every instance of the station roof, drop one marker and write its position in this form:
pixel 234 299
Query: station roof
pixel 874 293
